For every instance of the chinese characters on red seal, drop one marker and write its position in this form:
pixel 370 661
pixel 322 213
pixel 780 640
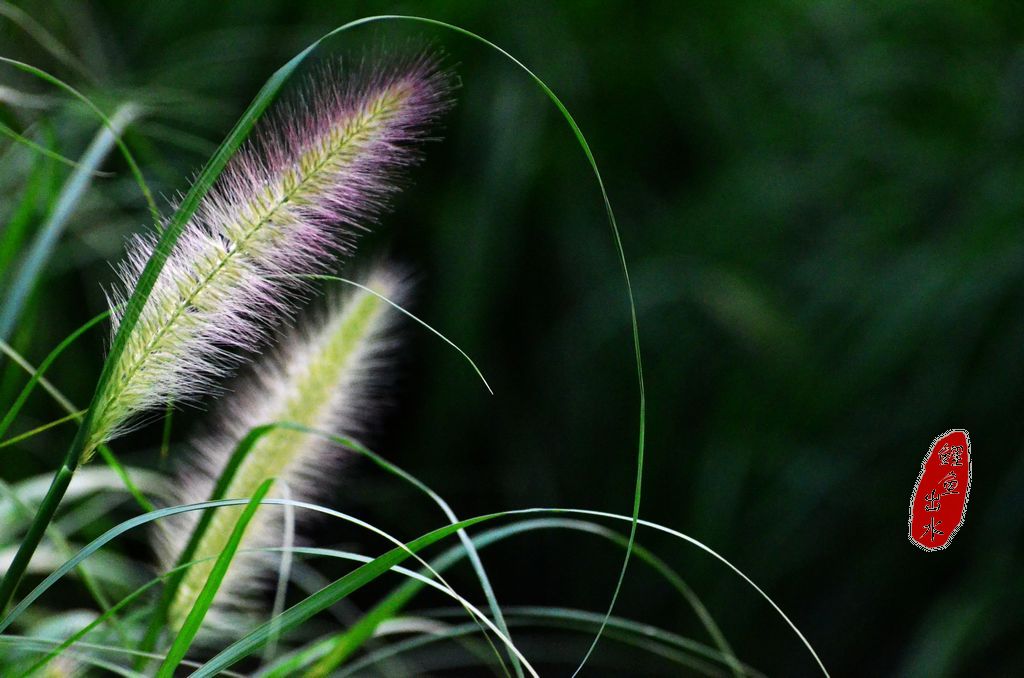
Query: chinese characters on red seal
pixel 938 504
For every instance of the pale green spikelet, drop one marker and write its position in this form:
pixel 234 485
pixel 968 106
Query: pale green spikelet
pixel 325 379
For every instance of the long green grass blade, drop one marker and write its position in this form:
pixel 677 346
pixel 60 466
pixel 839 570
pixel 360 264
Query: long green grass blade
pixel 242 450
pixel 352 639
pixel 105 451
pixel 194 620
pixel 354 580
pixel 61 543
pixel 37 374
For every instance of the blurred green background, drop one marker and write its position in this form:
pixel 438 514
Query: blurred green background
pixel 821 207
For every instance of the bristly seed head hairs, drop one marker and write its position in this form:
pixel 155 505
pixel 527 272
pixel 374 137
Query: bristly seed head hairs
pixel 290 202
pixel 328 379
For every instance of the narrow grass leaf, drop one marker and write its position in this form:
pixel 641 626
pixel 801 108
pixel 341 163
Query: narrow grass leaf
pixel 220 568
pixel 105 451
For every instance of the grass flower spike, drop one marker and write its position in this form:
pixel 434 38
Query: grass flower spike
pixel 327 379
pixel 291 202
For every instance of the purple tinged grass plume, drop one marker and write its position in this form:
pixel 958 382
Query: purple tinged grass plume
pixel 291 202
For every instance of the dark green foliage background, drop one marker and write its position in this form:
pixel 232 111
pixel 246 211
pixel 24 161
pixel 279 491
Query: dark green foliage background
pixel 821 205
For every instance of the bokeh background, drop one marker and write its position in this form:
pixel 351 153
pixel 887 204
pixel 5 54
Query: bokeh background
pixel 821 207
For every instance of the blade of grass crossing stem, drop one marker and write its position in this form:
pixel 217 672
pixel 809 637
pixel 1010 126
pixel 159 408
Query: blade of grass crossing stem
pixel 105 451
pixel 70 195
pixel 37 374
pixel 194 620
pixel 242 450
pixel 20 361
pixel 41 429
pixel 61 543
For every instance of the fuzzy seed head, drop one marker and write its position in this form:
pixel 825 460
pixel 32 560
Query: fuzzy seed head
pixel 292 201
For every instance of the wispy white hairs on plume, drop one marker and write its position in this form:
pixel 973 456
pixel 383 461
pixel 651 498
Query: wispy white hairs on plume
pixel 329 378
pixel 290 202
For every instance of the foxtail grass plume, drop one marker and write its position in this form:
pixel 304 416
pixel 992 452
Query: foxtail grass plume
pixel 291 202
pixel 329 378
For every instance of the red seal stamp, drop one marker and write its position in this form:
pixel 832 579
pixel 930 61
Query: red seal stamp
pixel 938 504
